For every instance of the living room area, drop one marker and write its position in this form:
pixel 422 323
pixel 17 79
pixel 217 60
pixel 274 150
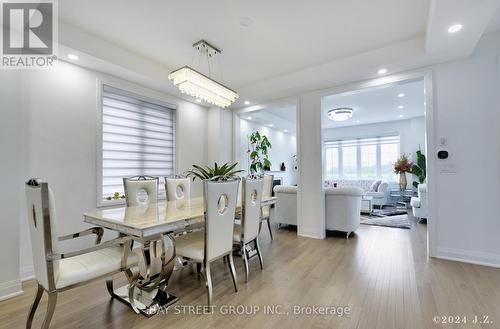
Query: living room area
pixel 374 152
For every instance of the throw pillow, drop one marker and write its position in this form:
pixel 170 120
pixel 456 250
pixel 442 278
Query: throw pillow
pixel 375 185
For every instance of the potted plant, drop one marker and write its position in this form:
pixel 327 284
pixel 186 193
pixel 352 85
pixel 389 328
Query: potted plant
pixel 258 153
pixel 419 169
pixel 401 167
pixel 216 173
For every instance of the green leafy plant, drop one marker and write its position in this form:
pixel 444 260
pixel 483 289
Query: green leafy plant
pixel 259 153
pixel 217 173
pixel 418 169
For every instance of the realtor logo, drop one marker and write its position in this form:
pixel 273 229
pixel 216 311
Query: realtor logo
pixel 29 34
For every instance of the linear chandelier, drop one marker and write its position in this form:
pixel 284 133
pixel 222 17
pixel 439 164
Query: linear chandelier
pixel 193 83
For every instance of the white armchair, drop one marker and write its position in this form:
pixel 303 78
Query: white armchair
pixel 419 204
pixel 56 271
pixel 381 196
pixel 286 207
pixel 343 206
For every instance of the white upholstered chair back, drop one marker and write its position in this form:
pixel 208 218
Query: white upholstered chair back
pixel 343 207
pixel 252 198
pixel 267 190
pixel 286 206
pixel 42 226
pixel 220 207
pixel 422 195
pixel 140 190
pixel 177 188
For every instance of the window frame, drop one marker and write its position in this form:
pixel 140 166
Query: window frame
pixel 340 143
pixel 138 92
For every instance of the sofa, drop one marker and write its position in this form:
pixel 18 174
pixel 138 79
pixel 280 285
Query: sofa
pixel 380 196
pixel 343 205
pixel 419 203
pixel 286 205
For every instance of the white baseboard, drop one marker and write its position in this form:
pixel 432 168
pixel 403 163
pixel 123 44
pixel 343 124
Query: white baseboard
pixel 468 256
pixel 310 233
pixel 27 273
pixel 10 289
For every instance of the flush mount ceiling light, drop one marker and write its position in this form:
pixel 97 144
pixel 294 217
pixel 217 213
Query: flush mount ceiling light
pixel 340 114
pixel 196 84
pixel 455 28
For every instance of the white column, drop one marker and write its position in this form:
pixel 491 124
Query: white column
pixel 220 136
pixel 311 199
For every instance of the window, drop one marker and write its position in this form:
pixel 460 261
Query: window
pixel 365 158
pixel 138 139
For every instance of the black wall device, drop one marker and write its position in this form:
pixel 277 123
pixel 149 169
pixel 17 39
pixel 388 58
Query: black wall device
pixel 443 154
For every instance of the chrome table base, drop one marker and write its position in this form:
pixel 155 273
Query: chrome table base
pixel 148 303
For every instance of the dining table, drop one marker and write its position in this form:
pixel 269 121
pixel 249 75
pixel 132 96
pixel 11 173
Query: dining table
pixel 153 227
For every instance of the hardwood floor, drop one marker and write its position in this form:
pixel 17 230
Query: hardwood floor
pixel 382 274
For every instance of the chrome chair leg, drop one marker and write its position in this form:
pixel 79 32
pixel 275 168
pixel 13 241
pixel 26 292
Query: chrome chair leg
pixel 347 235
pixel 232 270
pixel 245 260
pixel 34 306
pixel 51 306
pixel 268 220
pixel 261 260
pixel 109 286
pixel 208 278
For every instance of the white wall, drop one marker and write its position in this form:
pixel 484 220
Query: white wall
pixel 284 146
pixel 62 145
pixel 411 133
pixel 220 138
pixel 468 116
pixel 13 162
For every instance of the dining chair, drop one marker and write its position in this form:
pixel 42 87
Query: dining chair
pixel 55 271
pixel 216 240
pixel 266 211
pixel 140 190
pixel 177 188
pixel 247 233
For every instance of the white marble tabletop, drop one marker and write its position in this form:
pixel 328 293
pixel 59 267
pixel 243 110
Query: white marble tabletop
pixel 143 222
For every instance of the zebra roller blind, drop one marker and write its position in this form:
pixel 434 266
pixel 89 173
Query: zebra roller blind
pixel 138 139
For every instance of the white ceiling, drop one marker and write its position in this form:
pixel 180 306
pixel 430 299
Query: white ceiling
pixel 290 46
pixel 378 104
pixel 285 35
pixel 282 118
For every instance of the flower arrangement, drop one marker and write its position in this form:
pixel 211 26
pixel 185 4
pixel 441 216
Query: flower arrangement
pixel 403 165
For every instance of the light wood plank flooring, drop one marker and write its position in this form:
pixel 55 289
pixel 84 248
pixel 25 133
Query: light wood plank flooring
pixel 382 274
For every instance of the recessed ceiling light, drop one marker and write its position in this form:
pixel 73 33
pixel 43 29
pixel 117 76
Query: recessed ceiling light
pixel 401 107
pixel 73 57
pixel 401 95
pixel 357 121
pixel 198 100
pixel 455 28
pixel 247 102
pixel 340 114
pixel 271 125
pixel 382 71
pixel 285 131
pixel 401 115
pixel 249 118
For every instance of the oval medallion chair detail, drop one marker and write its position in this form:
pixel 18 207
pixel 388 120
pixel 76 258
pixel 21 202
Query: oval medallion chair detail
pixel 248 232
pixel 55 271
pixel 216 240
pixel 140 190
pixel 343 208
pixel 177 188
